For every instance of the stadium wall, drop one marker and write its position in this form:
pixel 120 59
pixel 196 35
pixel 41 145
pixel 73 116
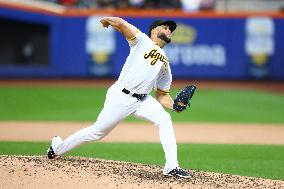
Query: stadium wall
pixel 71 43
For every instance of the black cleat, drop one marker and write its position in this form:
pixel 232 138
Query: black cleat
pixel 50 153
pixel 55 142
pixel 178 172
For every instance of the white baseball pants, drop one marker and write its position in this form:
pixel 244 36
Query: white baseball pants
pixel 118 106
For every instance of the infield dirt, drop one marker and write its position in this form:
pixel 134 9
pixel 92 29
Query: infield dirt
pixel 27 172
pixel 216 133
pixel 37 171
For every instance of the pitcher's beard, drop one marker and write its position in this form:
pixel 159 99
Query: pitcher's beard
pixel 163 37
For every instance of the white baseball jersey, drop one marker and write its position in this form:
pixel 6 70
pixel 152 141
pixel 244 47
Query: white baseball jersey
pixel 146 67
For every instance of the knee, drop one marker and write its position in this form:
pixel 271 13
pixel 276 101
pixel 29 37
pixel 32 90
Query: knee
pixel 98 134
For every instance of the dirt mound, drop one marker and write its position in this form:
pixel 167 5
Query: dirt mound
pixel 74 172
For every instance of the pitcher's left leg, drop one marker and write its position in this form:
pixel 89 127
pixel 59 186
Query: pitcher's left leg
pixel 151 110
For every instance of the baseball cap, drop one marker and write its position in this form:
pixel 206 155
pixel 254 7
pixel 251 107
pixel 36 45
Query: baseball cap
pixel 157 23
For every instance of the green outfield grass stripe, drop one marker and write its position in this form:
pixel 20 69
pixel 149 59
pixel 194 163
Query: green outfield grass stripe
pixel 84 104
pixel 265 161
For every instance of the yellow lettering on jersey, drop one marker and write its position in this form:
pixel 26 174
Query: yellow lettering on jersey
pixel 155 56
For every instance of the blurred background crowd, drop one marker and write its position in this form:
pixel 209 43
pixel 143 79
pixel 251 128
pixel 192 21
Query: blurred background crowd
pixel 139 4
pixel 186 5
pixel 233 39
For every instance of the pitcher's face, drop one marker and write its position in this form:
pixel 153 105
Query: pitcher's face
pixel 164 33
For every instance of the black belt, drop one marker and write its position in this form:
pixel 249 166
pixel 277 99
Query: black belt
pixel 138 96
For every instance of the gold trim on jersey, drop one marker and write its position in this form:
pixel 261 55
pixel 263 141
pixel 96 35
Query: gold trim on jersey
pixel 163 91
pixel 134 37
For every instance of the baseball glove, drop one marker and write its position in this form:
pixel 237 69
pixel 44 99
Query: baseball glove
pixel 183 97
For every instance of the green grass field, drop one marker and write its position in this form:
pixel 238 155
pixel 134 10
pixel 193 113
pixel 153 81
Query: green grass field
pixel 84 104
pixel 248 160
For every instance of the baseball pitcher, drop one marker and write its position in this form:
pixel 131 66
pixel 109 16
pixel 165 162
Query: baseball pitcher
pixel 146 68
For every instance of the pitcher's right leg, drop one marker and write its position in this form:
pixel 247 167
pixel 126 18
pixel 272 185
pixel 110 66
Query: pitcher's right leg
pixel 113 112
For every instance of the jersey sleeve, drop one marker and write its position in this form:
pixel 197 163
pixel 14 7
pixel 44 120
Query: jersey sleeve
pixel 163 83
pixel 134 40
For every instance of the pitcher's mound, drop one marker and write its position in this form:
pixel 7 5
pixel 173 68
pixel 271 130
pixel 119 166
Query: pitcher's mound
pixel 75 172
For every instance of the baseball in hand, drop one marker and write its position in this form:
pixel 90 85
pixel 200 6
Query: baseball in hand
pixel 104 23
